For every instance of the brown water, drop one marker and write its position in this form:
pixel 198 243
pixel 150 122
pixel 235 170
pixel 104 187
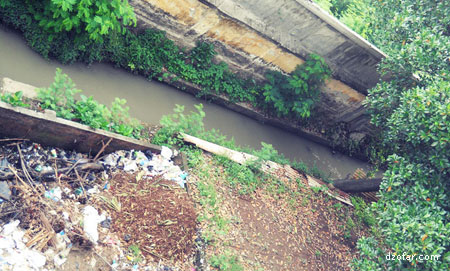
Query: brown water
pixel 149 101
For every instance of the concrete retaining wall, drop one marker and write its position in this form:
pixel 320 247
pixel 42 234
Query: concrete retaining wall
pixel 254 36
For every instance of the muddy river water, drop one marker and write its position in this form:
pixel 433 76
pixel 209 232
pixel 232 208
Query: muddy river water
pixel 150 100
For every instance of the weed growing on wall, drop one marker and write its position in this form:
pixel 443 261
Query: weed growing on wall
pixel 294 96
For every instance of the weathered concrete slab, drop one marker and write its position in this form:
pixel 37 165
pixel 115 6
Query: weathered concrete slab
pixel 11 86
pixel 47 129
pixel 303 27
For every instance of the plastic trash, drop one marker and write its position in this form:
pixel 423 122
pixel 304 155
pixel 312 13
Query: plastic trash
pixel 110 160
pixel 9 228
pixel 58 260
pixel 36 259
pixel 14 254
pixel 183 175
pixel 5 191
pixel 130 165
pixel 91 220
pixel 4 165
pixel 54 194
pixel 106 223
pixel 166 153
pixel 93 190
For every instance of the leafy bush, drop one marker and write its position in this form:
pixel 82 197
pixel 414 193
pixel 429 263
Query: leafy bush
pixel 179 123
pixel 356 14
pixel 246 175
pixel 294 96
pixel 97 18
pixel 226 262
pixel 60 97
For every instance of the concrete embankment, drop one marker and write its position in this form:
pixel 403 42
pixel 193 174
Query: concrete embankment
pixel 255 36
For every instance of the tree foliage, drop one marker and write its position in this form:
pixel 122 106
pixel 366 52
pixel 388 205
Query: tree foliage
pixel 412 109
pixel 97 18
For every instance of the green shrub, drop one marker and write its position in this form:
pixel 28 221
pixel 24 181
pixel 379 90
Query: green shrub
pixel 60 97
pixel 356 14
pixel 247 176
pixel 97 18
pixel 294 96
pixel 15 99
pixel 225 262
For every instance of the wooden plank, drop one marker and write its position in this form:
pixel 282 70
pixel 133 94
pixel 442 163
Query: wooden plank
pixel 268 167
pixel 47 129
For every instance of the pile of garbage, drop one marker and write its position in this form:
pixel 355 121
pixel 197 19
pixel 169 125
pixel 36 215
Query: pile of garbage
pixel 47 207
pixel 150 164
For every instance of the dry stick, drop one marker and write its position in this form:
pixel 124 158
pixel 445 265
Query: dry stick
pixel 101 257
pixel 13 139
pixel 80 181
pixel 102 149
pixel 56 174
pixel 18 177
pixel 98 154
pixel 25 171
pixel 72 167
pixel 49 228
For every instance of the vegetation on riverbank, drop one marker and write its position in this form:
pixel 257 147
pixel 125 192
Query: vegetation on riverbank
pixel 232 198
pixel 151 54
pixel 247 175
pixel 61 98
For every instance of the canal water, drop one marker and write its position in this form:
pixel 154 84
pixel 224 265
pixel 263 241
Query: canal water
pixel 149 100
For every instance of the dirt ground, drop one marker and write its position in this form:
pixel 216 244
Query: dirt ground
pixel 156 214
pixel 273 230
pixel 283 225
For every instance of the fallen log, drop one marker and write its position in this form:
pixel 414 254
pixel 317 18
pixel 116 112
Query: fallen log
pixel 358 185
pixel 267 167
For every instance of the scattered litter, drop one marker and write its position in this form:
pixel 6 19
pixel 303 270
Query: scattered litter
pixel 147 164
pixel 90 222
pixel 54 194
pixel 57 193
pixel 106 223
pixel 166 153
pixel 14 254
